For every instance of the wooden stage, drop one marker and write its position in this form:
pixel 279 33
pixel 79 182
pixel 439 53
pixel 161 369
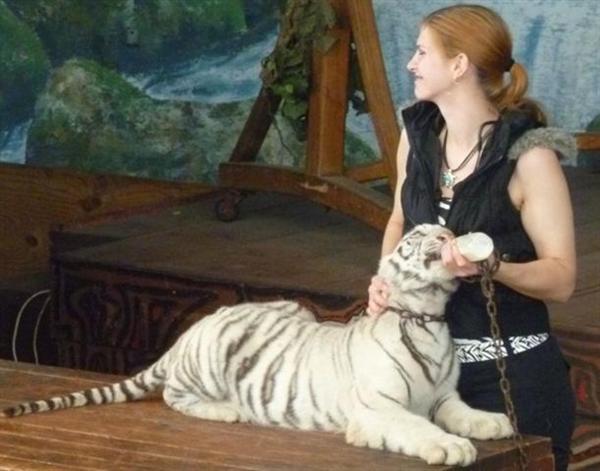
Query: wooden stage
pixel 124 290
pixel 147 435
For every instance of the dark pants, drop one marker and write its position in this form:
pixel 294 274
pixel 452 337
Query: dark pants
pixel 540 390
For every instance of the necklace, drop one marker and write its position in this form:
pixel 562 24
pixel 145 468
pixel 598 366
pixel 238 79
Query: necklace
pixel 448 179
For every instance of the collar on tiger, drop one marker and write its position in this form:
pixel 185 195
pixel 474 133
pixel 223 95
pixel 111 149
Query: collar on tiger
pixel 404 314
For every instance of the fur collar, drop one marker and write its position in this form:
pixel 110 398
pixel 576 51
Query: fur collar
pixel 556 139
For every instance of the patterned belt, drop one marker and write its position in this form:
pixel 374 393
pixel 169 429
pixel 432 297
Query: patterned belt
pixel 483 349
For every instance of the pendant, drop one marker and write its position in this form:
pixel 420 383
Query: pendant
pixel 447 180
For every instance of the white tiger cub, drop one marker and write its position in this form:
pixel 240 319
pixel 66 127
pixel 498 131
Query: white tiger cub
pixel 388 382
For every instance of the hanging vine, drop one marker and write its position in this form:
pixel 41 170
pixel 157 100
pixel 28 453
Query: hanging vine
pixel 286 71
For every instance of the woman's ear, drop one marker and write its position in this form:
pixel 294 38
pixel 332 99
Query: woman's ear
pixel 460 66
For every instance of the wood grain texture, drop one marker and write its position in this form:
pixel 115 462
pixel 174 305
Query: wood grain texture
pixel 336 192
pixel 147 435
pixel 585 445
pixel 34 200
pixel 256 127
pixel 328 102
pixel 367 172
pixel 588 140
pixel 377 89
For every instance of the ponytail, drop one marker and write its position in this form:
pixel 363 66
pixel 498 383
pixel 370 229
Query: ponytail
pixel 511 96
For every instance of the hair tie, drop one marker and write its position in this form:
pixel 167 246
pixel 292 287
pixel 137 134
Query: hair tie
pixel 509 65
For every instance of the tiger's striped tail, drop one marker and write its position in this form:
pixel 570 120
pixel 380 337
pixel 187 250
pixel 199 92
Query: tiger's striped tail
pixel 130 389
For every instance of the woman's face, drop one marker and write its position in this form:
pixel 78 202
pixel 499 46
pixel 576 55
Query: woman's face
pixel 431 69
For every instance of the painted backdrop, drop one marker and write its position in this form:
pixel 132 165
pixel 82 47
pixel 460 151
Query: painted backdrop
pixel 162 88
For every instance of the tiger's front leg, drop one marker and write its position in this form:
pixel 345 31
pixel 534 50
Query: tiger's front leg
pixel 402 431
pixel 455 416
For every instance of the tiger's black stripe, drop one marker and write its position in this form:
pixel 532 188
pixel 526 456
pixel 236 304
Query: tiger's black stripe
pixel 250 400
pixel 311 391
pixel 450 359
pixel 405 375
pixel 390 398
pixel 268 384
pixel 124 387
pixel 317 425
pixel 195 380
pixel 290 413
pixel 332 421
pixel 417 356
pixel 249 363
pixel 436 406
pixel 362 402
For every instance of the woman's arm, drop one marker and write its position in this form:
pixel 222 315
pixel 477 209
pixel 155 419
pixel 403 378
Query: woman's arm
pixel 539 189
pixel 378 289
pixel 395 226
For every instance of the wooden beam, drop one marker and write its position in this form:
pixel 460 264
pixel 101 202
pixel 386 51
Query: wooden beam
pixel 328 101
pixel 367 172
pixel 339 193
pixel 36 200
pixel 257 125
pixel 377 89
pixel 588 140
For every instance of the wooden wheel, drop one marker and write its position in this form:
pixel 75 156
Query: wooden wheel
pixel 227 207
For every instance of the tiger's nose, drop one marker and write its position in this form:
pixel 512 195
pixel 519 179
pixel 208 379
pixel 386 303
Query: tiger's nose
pixel 444 237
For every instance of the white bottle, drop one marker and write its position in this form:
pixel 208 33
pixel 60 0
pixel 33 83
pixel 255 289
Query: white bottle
pixel 475 246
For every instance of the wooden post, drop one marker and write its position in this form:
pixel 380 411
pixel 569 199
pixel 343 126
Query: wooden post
pixel 257 125
pixel 328 101
pixel 377 90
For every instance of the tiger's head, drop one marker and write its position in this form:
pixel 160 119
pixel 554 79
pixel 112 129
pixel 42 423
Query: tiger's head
pixel 416 262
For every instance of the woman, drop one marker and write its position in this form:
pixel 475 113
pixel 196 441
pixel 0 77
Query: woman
pixel 475 155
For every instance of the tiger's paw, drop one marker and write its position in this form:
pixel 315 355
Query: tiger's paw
pixel 221 412
pixel 482 425
pixel 448 449
pixel 357 436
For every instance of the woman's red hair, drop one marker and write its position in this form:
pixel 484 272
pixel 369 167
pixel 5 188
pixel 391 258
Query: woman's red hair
pixel 484 37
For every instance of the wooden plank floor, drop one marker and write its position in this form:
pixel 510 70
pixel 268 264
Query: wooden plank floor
pixel 278 241
pixel 147 435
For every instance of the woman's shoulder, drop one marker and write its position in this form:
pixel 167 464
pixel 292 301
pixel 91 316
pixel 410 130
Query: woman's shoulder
pixel 541 139
pixel 418 115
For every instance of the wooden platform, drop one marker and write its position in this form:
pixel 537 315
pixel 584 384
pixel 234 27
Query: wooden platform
pixel 125 290
pixel 147 435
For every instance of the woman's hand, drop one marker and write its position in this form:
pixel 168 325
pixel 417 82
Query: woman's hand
pixel 379 292
pixel 455 262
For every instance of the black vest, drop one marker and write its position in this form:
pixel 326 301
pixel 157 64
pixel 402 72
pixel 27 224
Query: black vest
pixel 481 203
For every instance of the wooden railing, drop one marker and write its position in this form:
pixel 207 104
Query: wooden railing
pixel 588 140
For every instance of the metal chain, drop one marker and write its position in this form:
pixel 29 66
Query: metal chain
pixel 488 290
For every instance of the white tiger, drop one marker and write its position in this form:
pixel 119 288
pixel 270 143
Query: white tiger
pixel 388 382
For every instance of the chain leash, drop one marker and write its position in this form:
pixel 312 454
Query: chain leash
pixel 488 290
